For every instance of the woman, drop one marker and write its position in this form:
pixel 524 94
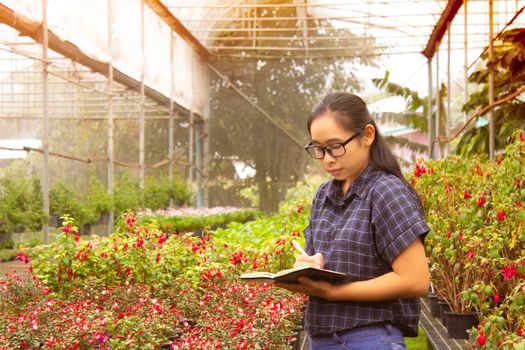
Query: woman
pixel 368 223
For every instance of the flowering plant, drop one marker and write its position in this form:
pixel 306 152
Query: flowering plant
pixel 142 288
pixel 477 224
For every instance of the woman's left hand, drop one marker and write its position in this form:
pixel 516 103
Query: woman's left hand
pixel 321 289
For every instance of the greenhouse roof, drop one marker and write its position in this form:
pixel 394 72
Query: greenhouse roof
pixel 278 28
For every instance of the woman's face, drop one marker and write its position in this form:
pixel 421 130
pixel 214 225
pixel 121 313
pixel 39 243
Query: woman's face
pixel 326 131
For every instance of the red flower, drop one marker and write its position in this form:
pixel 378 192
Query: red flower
pixel 496 297
pixel 478 170
pixel 509 272
pixel 420 169
pixel 471 253
pixel 77 237
pixel 481 339
pixel 501 215
pixel 521 135
pixel 520 331
pixel 467 195
pixel 518 204
pixel 158 257
pixel 481 201
pixel 67 229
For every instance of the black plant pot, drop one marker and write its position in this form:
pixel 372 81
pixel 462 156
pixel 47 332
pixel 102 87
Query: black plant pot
pixel 443 307
pixel 433 304
pixel 104 219
pixel 54 220
pixel 459 323
pixel 85 230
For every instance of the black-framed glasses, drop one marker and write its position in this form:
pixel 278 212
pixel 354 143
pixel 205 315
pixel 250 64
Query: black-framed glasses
pixel 336 149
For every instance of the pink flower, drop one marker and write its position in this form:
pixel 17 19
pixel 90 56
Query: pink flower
pixel 45 291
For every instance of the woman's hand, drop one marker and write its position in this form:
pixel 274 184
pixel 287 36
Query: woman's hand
pixel 316 260
pixel 321 289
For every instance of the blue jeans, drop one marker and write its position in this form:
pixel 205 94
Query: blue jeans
pixel 375 337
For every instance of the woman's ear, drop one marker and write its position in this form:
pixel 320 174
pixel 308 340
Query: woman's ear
pixel 370 134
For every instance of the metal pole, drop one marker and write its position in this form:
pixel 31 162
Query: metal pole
pixel 437 144
pixel 206 147
pixel 198 161
pixel 492 131
pixel 45 96
pixel 448 116
pixel 191 140
pixel 141 116
pixel 110 113
pixel 465 59
pixel 170 120
pixel 431 133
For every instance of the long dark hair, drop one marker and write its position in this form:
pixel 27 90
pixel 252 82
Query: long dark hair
pixel 351 114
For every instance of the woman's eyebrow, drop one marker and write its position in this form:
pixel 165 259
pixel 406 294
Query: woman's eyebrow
pixel 332 140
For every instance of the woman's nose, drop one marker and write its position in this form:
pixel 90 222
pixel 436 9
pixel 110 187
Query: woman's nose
pixel 328 158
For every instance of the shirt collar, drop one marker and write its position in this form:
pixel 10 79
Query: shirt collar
pixel 358 188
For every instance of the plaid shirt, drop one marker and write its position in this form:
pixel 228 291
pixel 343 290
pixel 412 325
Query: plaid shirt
pixel 360 233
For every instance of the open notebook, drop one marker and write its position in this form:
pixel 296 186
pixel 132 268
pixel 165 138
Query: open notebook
pixel 291 275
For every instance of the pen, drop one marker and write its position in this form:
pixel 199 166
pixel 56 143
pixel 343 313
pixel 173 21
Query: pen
pixel 298 247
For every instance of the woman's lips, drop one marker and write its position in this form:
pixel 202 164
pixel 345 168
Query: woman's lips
pixel 334 172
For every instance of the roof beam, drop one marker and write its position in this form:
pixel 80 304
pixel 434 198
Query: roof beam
pixel 71 51
pixel 165 14
pixel 441 26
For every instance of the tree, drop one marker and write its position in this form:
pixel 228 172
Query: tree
pixel 286 88
pixel 509 78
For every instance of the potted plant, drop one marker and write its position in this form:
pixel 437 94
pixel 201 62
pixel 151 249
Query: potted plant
pixel 125 194
pixel 99 200
pixel 63 200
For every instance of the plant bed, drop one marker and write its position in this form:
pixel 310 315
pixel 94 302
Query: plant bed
pixel 131 290
pixel 180 221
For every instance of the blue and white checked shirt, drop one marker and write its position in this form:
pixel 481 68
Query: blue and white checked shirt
pixel 360 233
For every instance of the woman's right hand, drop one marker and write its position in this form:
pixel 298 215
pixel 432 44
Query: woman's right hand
pixel 316 260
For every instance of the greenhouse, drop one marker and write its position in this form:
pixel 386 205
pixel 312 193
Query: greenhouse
pixel 152 152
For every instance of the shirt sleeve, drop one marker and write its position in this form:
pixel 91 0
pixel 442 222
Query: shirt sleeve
pixel 397 218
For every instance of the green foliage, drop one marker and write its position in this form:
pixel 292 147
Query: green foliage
pixel 65 201
pixel 191 223
pixel 509 76
pixel 98 198
pixel 20 203
pixel 158 192
pixel 125 193
pixel 8 254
